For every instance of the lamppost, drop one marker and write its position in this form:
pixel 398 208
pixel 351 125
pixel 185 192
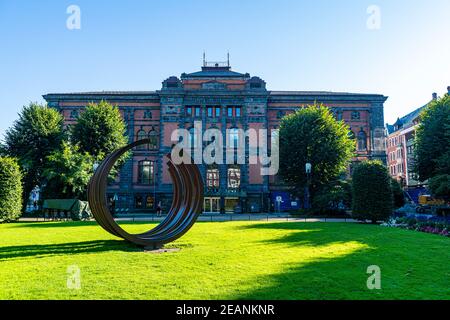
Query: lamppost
pixel 308 170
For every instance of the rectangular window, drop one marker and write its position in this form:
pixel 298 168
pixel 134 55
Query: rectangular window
pixel 188 111
pixel 212 178
pixel 234 178
pixel 238 112
pixel 217 111
pixel 197 111
pixel 230 112
pixel 210 112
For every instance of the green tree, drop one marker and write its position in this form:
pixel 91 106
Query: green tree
pixel 432 145
pixel 313 135
pixel 68 172
pixel 34 136
pixel 333 198
pixel 99 130
pixel 10 189
pixel 440 186
pixel 397 194
pixel 372 192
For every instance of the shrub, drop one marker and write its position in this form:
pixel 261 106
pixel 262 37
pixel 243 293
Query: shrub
pixel 372 192
pixel 10 189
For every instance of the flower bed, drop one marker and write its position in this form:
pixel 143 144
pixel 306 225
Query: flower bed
pixel 422 223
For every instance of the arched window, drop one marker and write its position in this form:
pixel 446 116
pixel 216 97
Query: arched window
pixel 153 136
pixel 362 140
pixel 141 135
pixel 146 172
pixel 351 135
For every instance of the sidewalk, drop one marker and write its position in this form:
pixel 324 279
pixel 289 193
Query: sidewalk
pixel 217 218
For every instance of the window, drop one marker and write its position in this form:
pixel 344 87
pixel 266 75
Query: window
pixel 197 111
pixel 138 201
pixel 153 136
pixel 193 138
pixel 234 112
pixel 147 114
pixel 212 178
pixel 73 114
pixel 234 137
pixel 356 115
pixel 234 178
pixel 146 172
pixel 280 114
pixel 141 135
pixel 188 111
pixel 213 112
pixel 362 141
pixel 150 202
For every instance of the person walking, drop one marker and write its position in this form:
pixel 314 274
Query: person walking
pixel 158 209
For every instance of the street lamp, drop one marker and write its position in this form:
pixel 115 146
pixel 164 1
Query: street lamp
pixel 308 170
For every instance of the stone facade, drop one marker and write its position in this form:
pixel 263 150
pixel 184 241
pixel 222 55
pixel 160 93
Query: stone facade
pixel 221 98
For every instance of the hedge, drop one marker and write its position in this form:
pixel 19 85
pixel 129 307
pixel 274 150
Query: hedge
pixel 372 192
pixel 10 189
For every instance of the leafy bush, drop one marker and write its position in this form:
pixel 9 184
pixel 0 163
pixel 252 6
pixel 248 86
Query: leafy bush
pixel 397 193
pixel 10 189
pixel 372 192
pixel 440 186
pixel 333 199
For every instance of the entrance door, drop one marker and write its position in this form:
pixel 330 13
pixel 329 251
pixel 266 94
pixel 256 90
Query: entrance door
pixel 231 204
pixel 211 205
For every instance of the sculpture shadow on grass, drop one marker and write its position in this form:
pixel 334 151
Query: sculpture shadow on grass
pixel 344 276
pixel 70 248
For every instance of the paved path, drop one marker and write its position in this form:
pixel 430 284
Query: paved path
pixel 218 218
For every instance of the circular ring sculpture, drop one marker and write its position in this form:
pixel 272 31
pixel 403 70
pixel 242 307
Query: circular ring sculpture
pixel 186 204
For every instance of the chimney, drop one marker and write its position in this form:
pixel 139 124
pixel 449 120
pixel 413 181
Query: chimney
pixel 434 96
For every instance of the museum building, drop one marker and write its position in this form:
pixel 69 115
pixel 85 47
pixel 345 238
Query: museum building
pixel 223 99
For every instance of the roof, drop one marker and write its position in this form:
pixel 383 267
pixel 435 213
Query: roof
pixel 219 73
pixel 405 121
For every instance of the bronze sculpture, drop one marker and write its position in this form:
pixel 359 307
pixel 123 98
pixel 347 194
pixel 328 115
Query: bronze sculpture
pixel 185 209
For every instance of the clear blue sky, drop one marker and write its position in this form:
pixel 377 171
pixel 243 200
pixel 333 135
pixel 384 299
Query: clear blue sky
pixel 293 45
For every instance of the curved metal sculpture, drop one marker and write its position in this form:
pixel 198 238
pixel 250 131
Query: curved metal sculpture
pixel 185 209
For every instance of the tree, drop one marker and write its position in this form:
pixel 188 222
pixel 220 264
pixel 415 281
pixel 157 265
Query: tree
pixel 10 189
pixel 99 130
pixel 372 192
pixel 313 135
pixel 440 186
pixel 68 172
pixel 34 136
pixel 333 198
pixel 432 145
pixel 397 194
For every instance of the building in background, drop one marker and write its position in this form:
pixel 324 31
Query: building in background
pixel 400 148
pixel 224 99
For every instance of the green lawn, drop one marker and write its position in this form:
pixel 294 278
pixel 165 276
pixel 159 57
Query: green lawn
pixel 228 260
